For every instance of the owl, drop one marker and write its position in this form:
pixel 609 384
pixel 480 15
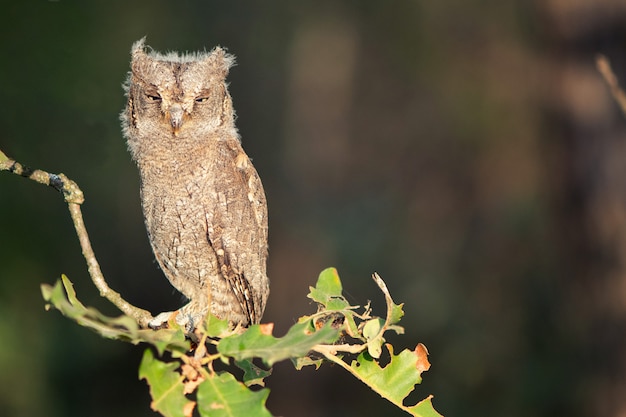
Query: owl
pixel 203 202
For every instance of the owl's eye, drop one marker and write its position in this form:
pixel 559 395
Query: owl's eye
pixel 201 99
pixel 154 97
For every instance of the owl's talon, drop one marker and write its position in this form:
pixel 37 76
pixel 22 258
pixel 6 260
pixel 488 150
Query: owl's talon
pixel 160 320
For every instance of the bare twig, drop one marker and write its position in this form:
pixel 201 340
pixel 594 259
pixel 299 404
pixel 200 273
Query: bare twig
pixel 74 198
pixel 383 287
pixel 333 349
pixel 604 66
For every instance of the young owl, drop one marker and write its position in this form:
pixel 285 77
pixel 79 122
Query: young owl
pixel 203 202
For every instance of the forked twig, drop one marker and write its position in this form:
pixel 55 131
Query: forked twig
pixel 74 198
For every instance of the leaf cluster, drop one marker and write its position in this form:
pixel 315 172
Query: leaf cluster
pixel 194 374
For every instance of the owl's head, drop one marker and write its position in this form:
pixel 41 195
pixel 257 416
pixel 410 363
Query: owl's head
pixel 177 95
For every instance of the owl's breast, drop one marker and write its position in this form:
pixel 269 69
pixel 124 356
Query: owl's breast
pixel 177 212
pixel 174 203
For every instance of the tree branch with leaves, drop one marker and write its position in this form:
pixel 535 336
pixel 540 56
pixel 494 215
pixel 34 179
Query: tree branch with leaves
pixel 186 372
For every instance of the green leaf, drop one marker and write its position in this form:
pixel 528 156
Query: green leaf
pixel 374 338
pixel 336 304
pixel 350 325
pixel 329 282
pixel 372 328
pixel 221 395
pixel 62 297
pixel 424 408
pixel 297 342
pixel 327 291
pixel 166 386
pixel 252 374
pixel 303 361
pixel 396 313
pixel 395 381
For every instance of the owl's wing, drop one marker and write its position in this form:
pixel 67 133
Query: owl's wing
pixel 238 231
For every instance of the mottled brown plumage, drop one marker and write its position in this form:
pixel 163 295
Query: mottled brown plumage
pixel 203 202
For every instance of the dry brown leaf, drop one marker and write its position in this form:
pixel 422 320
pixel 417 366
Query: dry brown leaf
pixel 422 358
pixel 193 378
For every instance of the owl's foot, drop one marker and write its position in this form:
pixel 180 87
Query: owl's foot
pixel 160 321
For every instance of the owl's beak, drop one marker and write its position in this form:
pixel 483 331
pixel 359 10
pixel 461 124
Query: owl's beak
pixel 176 117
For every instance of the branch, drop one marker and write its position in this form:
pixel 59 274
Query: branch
pixel 604 66
pixel 333 349
pixel 74 198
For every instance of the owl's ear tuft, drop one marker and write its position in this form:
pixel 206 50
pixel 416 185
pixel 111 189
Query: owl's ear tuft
pixel 138 47
pixel 140 58
pixel 220 60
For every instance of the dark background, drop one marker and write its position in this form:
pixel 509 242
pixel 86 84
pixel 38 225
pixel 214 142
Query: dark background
pixel 468 151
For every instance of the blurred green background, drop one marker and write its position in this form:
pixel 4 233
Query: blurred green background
pixel 468 151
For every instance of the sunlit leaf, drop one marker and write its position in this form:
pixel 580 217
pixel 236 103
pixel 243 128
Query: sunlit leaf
pixel 166 386
pixel 221 395
pixel 396 380
pixel 329 282
pixel 297 342
pixel 372 328
pixel 375 341
pixel 396 313
pixel 62 297
pixel 424 408
pixel 327 291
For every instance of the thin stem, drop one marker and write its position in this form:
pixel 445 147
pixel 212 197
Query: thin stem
pixel 333 349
